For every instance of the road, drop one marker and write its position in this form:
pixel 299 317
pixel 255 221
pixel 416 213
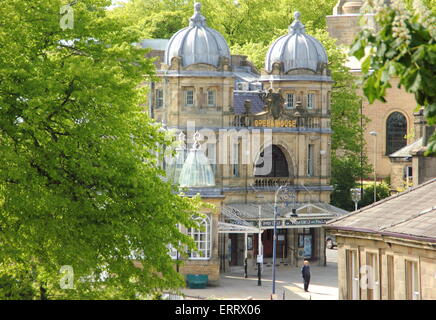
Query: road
pixel 233 286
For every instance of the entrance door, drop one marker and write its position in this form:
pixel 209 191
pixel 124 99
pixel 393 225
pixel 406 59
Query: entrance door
pixel 267 241
pixel 352 267
pixel 233 249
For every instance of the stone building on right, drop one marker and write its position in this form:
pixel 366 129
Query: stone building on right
pixel 387 250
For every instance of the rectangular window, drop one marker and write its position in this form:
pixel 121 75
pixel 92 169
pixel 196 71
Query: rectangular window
pixel 373 288
pixel 211 98
pixel 290 101
pixel 391 277
pixel 412 281
pixel 352 274
pixel 159 98
pixel 235 159
pixel 211 155
pixel 310 160
pixel 310 101
pixel 189 98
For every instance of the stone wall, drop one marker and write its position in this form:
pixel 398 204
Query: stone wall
pixel 424 168
pixel 401 251
pixel 344 28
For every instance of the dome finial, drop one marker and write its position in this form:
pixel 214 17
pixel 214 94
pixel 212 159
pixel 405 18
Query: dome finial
pixel 297 26
pixel 297 15
pixel 197 20
pixel 197 137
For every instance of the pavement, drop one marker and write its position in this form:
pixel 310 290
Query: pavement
pixel 289 284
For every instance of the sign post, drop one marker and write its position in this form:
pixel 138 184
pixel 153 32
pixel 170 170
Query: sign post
pixel 259 269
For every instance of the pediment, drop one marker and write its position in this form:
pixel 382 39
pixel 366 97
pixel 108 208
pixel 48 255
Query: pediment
pixel 310 209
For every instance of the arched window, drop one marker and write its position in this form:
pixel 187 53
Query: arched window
pixel 202 239
pixel 396 130
pixel 279 165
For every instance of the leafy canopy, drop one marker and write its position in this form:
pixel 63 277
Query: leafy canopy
pixel 80 183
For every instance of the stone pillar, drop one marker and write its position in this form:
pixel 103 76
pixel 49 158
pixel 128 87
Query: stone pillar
pixel 290 247
pixel 321 247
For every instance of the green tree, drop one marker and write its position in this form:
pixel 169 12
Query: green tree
pixel 240 22
pixel 381 192
pixel 403 45
pixel 80 183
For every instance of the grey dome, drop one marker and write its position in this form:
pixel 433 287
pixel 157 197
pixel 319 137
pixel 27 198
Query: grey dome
pixel 197 43
pixel 296 50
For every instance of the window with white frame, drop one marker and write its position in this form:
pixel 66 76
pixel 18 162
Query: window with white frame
pixel 211 98
pixel 290 101
pixel 310 101
pixel 159 98
pixel 189 98
pixel 202 239
pixel 172 251
pixel 310 159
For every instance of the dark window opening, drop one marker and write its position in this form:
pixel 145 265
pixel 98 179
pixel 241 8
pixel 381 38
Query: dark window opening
pixel 396 130
pixel 279 165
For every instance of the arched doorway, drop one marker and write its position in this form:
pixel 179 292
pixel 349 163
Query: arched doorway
pixel 279 165
pixel 396 130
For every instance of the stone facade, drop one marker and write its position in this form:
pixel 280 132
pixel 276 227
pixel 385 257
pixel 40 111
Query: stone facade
pixel 246 121
pixel 397 100
pixel 344 26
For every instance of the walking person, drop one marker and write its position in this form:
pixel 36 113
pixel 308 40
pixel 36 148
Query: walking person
pixel 305 272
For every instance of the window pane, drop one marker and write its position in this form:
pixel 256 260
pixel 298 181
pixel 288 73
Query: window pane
pixel 211 97
pixel 310 160
pixel 159 98
pixel 202 240
pixel 396 130
pixel 290 101
pixel 189 98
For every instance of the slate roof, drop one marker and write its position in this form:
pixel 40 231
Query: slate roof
pixel 240 97
pixel 405 152
pixel 410 214
pixel 155 44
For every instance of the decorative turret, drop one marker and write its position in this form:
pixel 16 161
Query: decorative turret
pixel 296 50
pixel 197 43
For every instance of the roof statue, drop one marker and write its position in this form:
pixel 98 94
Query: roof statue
pixel 196 171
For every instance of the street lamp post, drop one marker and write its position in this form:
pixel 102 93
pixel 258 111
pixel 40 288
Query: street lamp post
pixel 275 241
pixel 356 196
pixel 374 134
pixel 293 216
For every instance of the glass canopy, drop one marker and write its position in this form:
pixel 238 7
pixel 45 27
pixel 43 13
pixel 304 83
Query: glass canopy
pixel 196 171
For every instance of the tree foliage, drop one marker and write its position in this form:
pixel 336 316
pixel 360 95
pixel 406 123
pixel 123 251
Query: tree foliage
pixel 381 191
pixel 80 183
pixel 403 45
